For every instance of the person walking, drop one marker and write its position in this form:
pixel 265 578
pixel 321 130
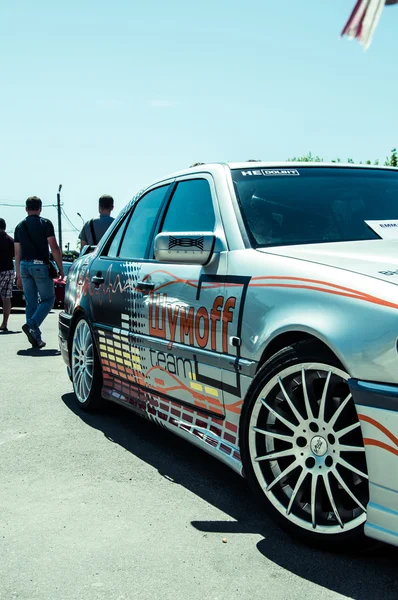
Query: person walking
pixel 33 268
pixel 94 229
pixel 6 272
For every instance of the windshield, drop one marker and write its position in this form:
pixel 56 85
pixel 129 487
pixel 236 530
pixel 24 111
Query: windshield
pixel 309 205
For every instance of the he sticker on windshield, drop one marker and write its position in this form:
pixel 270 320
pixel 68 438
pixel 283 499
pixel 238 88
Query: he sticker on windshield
pixel 387 230
pixel 271 172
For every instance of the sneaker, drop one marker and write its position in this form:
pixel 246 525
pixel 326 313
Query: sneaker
pixel 30 334
pixel 41 344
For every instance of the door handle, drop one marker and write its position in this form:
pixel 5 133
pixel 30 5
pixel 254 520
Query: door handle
pixel 144 286
pixel 97 280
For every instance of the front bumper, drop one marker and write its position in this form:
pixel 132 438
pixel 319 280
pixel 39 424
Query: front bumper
pixel 377 408
pixel 64 326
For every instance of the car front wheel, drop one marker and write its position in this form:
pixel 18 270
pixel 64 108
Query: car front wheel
pixel 303 450
pixel 85 367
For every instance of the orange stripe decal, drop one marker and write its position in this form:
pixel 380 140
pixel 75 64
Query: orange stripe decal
pixel 380 427
pixel 338 290
pixel 371 442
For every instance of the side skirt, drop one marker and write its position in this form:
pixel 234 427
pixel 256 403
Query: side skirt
pixel 216 436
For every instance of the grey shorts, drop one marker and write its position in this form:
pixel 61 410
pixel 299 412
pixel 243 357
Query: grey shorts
pixel 6 282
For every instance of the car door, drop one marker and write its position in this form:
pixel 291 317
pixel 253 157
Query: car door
pixel 187 316
pixel 116 305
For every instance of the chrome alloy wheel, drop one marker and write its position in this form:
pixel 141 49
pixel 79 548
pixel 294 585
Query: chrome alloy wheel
pixel 82 361
pixel 306 448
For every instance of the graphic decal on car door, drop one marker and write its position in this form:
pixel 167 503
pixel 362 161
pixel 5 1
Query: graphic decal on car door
pixel 207 326
pixel 204 326
pixel 147 379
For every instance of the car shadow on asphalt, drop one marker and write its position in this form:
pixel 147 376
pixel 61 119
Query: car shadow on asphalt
pixel 366 576
pixel 37 352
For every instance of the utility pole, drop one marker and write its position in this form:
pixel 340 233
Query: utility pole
pixel 59 216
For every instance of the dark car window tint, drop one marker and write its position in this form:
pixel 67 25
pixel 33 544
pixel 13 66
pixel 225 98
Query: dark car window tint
pixel 114 247
pixel 139 228
pixel 191 208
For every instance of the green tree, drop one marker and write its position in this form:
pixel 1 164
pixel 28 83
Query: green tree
pixel 306 158
pixel 392 161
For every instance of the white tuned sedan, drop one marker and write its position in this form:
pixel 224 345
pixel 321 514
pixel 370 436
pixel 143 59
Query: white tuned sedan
pixel 252 309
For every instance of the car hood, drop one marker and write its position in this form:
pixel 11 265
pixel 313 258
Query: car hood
pixel 374 258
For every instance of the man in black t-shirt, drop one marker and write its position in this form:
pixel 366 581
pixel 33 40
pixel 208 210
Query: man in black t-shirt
pixel 6 272
pixel 32 237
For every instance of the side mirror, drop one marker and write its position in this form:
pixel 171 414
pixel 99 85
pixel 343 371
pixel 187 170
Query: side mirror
pixel 188 247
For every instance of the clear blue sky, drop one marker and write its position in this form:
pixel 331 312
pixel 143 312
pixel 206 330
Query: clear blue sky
pixel 104 97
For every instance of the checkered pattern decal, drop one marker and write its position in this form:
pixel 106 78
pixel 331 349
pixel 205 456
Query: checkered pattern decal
pixel 118 357
pixel 220 434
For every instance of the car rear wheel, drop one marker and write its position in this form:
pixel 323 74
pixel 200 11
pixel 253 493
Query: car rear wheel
pixel 85 367
pixel 303 450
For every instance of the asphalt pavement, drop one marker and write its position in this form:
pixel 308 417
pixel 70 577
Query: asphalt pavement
pixel 111 507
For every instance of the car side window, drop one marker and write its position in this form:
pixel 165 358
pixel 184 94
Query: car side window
pixel 138 231
pixel 114 247
pixel 191 208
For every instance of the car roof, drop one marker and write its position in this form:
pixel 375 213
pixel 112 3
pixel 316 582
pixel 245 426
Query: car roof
pixel 252 165
pixel 291 164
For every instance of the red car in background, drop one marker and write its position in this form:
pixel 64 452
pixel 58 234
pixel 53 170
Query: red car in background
pixel 18 298
pixel 59 286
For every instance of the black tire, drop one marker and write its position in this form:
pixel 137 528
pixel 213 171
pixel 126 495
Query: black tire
pixel 306 480
pixel 91 400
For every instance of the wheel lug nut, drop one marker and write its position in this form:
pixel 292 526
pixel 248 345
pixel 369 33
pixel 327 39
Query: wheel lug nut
pixel 310 462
